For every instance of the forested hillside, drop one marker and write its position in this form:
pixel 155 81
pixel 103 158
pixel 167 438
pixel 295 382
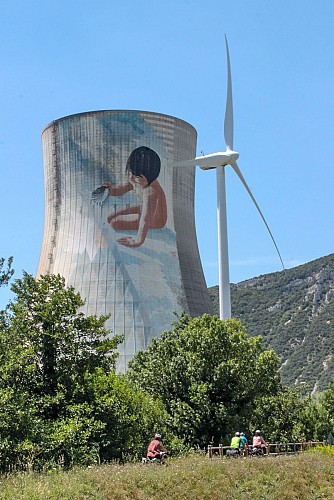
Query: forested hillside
pixel 293 310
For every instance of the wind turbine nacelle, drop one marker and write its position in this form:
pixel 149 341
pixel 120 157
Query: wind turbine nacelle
pixel 218 159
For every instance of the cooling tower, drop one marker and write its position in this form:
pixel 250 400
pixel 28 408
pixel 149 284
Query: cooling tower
pixel 119 220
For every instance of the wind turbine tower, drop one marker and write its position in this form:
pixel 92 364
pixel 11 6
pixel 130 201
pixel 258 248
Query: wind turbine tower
pixel 219 161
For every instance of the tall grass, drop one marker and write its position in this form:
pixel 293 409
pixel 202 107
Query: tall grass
pixel 304 476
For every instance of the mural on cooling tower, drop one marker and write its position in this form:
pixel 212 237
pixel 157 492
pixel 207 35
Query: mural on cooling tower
pixel 111 198
pixel 149 210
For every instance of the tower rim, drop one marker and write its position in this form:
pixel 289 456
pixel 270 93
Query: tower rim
pixel 100 111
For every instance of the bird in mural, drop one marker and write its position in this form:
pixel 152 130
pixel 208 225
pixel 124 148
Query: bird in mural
pixel 99 195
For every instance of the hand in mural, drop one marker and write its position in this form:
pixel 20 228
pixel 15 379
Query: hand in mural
pixel 129 241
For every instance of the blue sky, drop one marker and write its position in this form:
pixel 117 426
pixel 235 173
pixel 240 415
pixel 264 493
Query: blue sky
pixel 70 56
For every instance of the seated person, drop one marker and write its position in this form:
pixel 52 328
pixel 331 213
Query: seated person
pixel 235 442
pixel 258 441
pixel 243 441
pixel 156 449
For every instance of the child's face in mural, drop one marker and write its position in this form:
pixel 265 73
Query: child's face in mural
pixel 138 180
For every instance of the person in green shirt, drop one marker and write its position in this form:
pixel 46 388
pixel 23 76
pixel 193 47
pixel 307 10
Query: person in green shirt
pixel 235 442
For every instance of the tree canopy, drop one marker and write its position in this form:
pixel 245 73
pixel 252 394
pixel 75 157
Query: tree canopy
pixel 6 272
pixel 208 374
pixel 60 398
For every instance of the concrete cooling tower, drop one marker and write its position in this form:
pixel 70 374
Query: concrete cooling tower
pixel 119 220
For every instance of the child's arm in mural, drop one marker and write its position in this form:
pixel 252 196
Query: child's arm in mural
pixel 118 190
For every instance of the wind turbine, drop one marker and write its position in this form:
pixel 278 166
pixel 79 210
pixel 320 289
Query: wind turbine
pixel 219 161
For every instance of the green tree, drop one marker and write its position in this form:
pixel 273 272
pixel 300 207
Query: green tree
pixel 207 373
pixel 60 399
pixel 6 272
pixel 52 342
pixel 327 403
pixel 287 417
pixel 131 417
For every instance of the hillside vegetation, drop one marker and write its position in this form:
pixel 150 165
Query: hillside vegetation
pixel 293 310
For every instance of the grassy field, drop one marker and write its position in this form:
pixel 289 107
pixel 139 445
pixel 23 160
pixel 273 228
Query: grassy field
pixel 306 476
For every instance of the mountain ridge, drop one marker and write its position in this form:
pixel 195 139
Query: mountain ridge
pixel 293 311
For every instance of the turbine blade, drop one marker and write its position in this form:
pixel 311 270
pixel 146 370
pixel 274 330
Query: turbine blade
pixel 241 177
pixel 228 122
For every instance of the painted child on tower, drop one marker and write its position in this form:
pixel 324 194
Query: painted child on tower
pixel 150 212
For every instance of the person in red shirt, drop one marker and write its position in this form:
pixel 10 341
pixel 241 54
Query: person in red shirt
pixel 156 449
